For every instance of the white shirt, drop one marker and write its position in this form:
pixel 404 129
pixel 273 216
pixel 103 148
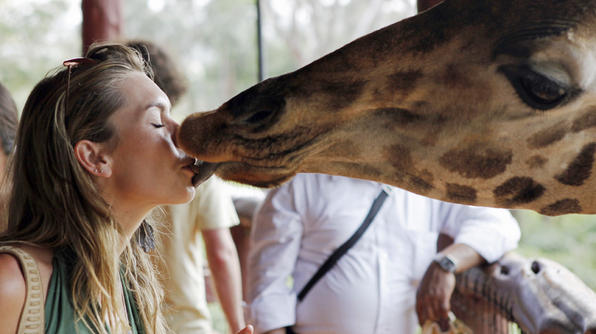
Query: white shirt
pixel 372 289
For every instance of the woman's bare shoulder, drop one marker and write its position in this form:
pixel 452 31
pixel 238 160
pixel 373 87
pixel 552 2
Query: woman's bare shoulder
pixel 12 281
pixel 12 292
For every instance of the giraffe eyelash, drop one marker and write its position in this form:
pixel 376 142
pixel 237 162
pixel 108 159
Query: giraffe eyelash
pixel 535 89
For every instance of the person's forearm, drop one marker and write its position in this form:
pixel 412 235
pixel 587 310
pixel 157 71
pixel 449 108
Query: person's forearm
pixel 464 256
pixel 227 278
pixel 276 331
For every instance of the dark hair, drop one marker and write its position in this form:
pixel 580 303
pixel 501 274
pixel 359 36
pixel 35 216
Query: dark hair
pixel 165 72
pixel 8 119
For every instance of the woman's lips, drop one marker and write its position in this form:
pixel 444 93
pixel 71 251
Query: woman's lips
pixel 203 170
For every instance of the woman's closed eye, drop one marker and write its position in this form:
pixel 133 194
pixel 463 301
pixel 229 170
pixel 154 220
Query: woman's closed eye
pixel 157 125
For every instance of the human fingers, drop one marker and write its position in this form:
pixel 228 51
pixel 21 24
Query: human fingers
pixel 440 306
pixel 444 324
pixel 420 312
pixel 247 330
pixel 424 307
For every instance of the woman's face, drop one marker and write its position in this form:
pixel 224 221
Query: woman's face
pixel 147 166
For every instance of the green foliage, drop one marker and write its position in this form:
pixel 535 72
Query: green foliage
pixel 218 318
pixel 213 41
pixel 37 36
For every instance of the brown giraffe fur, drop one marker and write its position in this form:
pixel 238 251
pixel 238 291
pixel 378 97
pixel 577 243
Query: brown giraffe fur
pixel 480 102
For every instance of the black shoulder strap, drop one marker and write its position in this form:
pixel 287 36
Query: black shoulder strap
pixel 341 250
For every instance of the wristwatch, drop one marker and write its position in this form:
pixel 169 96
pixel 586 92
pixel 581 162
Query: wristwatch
pixel 445 262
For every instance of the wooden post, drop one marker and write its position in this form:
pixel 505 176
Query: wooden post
pixel 259 42
pixel 102 21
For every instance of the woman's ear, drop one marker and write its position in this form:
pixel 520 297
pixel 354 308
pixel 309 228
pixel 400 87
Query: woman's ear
pixel 93 158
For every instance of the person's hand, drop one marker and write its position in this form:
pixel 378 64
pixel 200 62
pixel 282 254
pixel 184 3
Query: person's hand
pixel 434 295
pixel 247 330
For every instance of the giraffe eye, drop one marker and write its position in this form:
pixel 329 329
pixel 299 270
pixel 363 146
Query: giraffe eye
pixel 536 90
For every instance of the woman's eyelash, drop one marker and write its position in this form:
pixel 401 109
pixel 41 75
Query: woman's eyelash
pixel 157 125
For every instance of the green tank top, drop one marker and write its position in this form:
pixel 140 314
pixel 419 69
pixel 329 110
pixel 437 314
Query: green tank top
pixel 59 311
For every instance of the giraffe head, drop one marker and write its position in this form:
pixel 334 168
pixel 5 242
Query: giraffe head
pixel 474 101
pixel 540 295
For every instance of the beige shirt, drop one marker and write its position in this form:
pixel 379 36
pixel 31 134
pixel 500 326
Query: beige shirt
pixel 183 253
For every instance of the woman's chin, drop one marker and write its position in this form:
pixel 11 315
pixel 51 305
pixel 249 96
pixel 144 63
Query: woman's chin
pixel 181 197
pixel 191 191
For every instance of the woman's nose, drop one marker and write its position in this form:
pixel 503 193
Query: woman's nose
pixel 175 134
pixel 173 126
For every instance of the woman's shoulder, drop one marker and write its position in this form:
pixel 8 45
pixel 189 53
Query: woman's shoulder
pixel 13 286
pixel 12 292
pixel 11 276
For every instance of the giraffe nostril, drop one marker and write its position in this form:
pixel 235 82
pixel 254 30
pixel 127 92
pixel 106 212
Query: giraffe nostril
pixel 504 270
pixel 536 267
pixel 257 117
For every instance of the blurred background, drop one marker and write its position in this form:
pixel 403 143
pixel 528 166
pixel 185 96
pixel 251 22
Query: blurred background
pixel 215 44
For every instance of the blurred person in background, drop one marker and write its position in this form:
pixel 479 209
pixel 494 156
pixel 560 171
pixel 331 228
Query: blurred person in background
pixel 8 129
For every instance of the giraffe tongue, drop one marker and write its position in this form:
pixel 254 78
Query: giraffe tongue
pixel 203 170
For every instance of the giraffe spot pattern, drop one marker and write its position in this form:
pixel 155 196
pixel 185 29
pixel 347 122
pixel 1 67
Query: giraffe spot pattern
pixel 536 161
pixel 477 163
pixel 403 82
pixel 454 77
pixel 518 190
pixel 562 207
pixel 580 169
pixel 397 117
pixel 422 183
pixel 338 94
pixel 343 149
pixel 399 157
pixel 461 194
pixel 586 121
pixel 404 171
pixel 548 136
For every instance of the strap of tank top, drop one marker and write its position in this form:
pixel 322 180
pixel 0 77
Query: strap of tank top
pixel 32 318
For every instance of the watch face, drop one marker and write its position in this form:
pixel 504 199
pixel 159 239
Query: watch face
pixel 446 263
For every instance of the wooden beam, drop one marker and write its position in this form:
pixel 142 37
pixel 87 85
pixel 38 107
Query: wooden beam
pixel 102 21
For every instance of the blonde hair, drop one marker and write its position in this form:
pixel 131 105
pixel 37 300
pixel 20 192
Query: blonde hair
pixel 55 203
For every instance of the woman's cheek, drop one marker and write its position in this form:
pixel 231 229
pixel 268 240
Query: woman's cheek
pixel 174 151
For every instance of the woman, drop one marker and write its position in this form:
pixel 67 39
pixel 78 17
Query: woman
pixel 95 153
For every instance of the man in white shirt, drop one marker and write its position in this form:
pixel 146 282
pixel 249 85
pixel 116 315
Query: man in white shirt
pixel 373 287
